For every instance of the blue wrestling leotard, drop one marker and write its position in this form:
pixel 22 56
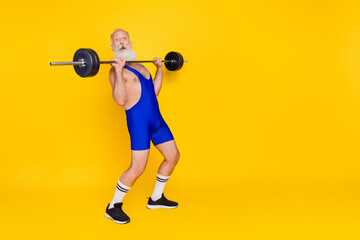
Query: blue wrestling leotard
pixel 144 120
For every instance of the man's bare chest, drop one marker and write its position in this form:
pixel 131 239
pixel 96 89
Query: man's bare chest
pixel 132 77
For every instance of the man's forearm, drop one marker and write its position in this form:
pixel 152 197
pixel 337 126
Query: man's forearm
pixel 119 91
pixel 158 80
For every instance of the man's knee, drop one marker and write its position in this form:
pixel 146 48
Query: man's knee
pixel 174 158
pixel 137 170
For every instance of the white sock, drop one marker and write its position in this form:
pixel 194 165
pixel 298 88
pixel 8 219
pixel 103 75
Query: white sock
pixel 159 186
pixel 120 192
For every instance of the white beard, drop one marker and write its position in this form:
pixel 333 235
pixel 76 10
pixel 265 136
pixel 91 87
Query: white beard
pixel 128 54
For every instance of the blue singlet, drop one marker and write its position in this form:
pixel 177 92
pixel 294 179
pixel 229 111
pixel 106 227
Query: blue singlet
pixel 144 120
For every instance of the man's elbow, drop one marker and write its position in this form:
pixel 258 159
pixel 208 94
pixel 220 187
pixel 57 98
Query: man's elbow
pixel 120 100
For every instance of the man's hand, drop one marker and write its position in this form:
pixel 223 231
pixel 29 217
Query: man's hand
pixel 119 63
pixel 157 62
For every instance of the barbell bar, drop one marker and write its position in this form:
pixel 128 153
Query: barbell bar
pixel 86 62
pixel 82 63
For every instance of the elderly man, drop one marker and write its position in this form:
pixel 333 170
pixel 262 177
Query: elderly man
pixel 134 88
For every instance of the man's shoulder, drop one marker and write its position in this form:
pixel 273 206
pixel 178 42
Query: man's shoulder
pixel 138 66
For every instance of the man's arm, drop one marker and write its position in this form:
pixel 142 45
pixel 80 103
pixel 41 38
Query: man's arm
pixel 158 76
pixel 118 82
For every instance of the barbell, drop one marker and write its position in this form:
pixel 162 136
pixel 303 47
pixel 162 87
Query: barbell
pixel 86 62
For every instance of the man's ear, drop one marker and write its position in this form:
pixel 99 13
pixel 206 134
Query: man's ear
pixel 112 48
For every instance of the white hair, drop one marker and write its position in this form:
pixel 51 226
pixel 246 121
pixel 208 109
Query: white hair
pixel 116 30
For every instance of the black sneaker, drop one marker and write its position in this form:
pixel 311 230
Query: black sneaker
pixel 161 203
pixel 117 214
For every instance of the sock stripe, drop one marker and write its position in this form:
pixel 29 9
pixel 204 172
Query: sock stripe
pixel 161 180
pixel 121 188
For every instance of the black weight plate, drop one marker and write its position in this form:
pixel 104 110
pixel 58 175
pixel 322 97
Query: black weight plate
pixel 178 61
pixel 86 56
pixel 96 65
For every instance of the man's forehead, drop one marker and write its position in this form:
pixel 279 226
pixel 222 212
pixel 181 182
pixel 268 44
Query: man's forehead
pixel 120 33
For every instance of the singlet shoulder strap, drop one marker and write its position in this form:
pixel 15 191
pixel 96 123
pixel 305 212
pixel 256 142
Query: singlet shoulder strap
pixel 136 72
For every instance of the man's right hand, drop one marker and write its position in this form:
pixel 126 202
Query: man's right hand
pixel 119 63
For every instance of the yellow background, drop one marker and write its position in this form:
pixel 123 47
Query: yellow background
pixel 265 114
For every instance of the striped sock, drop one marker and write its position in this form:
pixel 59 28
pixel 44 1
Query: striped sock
pixel 120 192
pixel 159 186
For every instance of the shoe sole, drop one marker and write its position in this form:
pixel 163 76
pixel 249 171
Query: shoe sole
pixel 160 206
pixel 120 222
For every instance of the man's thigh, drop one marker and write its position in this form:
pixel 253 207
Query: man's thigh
pixel 139 158
pixel 168 149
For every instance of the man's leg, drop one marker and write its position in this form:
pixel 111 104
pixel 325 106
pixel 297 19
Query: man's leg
pixel 171 154
pixel 138 163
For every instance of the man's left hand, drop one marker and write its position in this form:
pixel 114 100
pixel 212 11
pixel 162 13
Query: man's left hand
pixel 157 62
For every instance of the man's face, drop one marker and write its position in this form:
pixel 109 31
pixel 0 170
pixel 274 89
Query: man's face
pixel 120 38
pixel 122 46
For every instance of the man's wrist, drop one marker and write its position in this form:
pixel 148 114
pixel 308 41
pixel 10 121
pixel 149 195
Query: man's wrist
pixel 118 70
